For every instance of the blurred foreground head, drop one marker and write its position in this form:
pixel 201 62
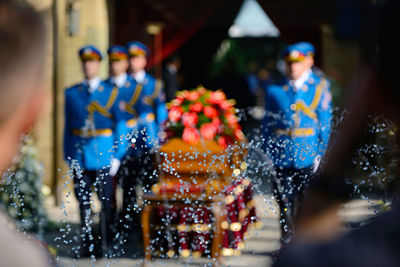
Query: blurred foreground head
pixel 374 91
pixel 22 53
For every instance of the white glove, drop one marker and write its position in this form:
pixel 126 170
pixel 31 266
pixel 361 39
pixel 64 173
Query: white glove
pixel 316 163
pixel 115 163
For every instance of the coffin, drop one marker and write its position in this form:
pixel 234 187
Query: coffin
pixel 201 169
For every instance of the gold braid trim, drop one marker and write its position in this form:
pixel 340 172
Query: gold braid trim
pixel 300 105
pixel 95 106
pixel 318 94
pixel 112 98
pixel 130 110
pixel 136 94
pixel 310 110
pixel 157 89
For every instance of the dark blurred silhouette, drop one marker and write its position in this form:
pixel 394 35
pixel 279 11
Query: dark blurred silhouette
pixel 374 91
pixel 234 85
pixel 170 77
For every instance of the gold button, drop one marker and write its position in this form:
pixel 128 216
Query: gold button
pixel 293 107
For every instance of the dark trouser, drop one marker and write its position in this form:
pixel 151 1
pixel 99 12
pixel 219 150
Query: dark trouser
pixel 290 187
pixel 135 170
pixel 104 186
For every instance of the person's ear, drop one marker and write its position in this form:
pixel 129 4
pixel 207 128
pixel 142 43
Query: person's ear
pixel 311 61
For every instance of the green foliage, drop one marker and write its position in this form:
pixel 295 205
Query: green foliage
pixel 20 190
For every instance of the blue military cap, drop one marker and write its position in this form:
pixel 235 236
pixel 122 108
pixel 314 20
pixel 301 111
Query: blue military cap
pixel 307 47
pixel 298 51
pixel 136 48
pixel 90 52
pixel 117 52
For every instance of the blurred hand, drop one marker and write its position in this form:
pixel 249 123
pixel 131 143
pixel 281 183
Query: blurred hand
pixel 317 161
pixel 115 163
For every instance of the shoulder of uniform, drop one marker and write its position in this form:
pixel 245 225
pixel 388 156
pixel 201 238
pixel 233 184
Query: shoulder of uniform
pixel 108 81
pixel 130 78
pixel 73 88
pixel 322 81
pixel 150 77
pixel 275 89
pixel 105 86
pixel 130 81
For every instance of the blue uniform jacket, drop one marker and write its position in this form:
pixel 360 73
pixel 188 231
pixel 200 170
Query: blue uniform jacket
pixel 153 111
pixel 89 125
pixel 128 113
pixel 297 125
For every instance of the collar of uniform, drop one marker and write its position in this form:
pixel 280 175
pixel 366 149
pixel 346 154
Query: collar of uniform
pixel 119 80
pixel 92 84
pixel 139 76
pixel 297 84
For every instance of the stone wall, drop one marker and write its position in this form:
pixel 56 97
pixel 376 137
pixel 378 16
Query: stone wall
pixel 64 69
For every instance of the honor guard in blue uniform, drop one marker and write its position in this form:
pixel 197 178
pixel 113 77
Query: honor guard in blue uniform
pixel 127 111
pixel 145 108
pixel 127 153
pixel 296 130
pixel 153 109
pixel 153 96
pixel 90 121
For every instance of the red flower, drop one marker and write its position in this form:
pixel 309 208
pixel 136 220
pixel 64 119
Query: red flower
pixel 216 97
pixel 175 113
pixel 232 120
pixel 224 141
pixel 196 107
pixel 177 101
pixel 216 121
pixel 190 135
pixel 239 135
pixel 227 104
pixel 189 119
pixel 218 124
pixel 208 131
pixel 183 94
pixel 193 96
pixel 210 112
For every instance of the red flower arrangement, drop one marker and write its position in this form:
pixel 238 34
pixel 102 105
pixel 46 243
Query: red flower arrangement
pixel 201 113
